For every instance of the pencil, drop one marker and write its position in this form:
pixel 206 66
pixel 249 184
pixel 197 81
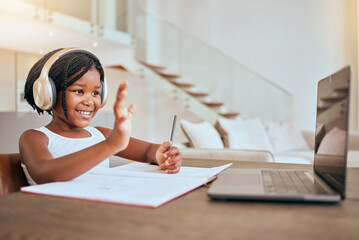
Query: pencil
pixel 173 131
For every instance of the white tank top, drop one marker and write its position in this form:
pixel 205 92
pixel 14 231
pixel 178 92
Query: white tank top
pixel 60 146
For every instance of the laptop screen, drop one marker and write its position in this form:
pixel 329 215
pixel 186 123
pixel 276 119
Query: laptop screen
pixel 331 133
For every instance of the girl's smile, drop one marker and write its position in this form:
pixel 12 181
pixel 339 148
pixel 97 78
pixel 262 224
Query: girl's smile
pixel 85 114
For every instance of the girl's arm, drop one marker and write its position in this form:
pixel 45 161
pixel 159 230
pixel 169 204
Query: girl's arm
pixel 43 167
pixel 137 150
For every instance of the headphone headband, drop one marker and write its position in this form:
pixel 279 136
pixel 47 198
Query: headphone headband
pixel 46 68
pixel 44 90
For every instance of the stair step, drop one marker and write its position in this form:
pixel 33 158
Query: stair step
pixel 153 66
pixel 332 98
pixel 182 84
pixel 198 94
pixel 213 104
pixel 229 114
pixel 341 89
pixel 168 75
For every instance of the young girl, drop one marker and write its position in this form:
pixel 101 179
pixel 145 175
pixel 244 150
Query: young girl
pixel 67 147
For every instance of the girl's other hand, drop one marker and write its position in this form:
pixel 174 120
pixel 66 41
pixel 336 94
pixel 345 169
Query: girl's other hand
pixel 169 160
pixel 121 132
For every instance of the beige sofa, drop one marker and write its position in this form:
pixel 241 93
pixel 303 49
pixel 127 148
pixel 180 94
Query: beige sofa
pixel 295 157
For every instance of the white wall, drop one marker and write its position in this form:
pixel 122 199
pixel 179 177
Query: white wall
pixel 290 42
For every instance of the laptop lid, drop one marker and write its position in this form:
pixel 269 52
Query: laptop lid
pixel 331 134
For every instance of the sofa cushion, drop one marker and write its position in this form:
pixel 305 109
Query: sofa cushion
pixel 244 134
pixel 284 136
pixel 201 135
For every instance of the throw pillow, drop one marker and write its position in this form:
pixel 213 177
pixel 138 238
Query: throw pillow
pixel 201 135
pixel 244 134
pixel 284 136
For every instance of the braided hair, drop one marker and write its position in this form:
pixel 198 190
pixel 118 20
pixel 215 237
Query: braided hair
pixel 60 71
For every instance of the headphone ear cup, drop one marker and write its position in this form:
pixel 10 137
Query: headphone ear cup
pixel 103 92
pixel 54 93
pixel 44 93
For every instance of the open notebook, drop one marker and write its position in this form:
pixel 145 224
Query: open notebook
pixel 135 184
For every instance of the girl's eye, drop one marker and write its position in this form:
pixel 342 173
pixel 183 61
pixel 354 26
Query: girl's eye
pixel 95 93
pixel 78 91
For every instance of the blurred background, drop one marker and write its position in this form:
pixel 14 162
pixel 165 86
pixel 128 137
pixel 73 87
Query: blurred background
pixel 201 60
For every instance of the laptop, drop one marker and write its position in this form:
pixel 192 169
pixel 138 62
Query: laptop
pixel 326 183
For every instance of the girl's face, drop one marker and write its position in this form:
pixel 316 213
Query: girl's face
pixel 82 100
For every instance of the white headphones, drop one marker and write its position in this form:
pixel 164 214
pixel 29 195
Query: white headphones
pixel 44 89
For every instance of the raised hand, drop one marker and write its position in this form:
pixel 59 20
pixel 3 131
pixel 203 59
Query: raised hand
pixel 121 132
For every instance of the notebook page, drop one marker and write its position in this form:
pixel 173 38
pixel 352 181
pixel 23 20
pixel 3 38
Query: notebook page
pixel 145 170
pixel 145 192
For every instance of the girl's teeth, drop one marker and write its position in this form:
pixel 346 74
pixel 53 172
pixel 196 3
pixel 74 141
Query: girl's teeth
pixel 85 113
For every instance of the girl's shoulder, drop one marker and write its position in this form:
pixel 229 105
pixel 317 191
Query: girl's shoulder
pixel 44 130
pixel 34 136
pixel 35 132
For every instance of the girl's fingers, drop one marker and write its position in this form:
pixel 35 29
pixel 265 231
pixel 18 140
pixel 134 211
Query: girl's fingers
pixel 164 147
pixel 170 167
pixel 173 160
pixel 121 112
pixel 174 151
pixel 131 110
pixel 171 163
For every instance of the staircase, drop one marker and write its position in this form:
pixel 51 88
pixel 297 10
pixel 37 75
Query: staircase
pixel 184 93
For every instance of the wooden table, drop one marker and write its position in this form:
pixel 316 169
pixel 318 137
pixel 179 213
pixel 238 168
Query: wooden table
pixel 192 216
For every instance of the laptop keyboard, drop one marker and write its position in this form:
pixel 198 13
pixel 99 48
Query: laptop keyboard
pixel 288 181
